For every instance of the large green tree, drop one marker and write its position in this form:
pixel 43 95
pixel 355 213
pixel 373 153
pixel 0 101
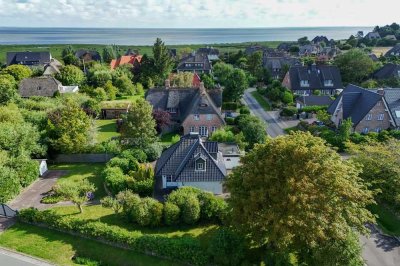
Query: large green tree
pixel 19 72
pixel 235 85
pixel 254 65
pixel 138 126
pixel 71 75
pixel 8 88
pixel 295 193
pixel 253 129
pixel 222 71
pixel 70 129
pixel 163 63
pixel 355 66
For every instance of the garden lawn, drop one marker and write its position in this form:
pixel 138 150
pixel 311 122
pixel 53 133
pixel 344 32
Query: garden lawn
pixel 106 129
pixel 98 213
pixel 170 138
pixel 261 100
pixel 59 248
pixel 387 221
pixel 79 171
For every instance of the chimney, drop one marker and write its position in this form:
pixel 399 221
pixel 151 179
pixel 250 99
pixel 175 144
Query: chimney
pixel 167 84
pixel 381 91
pixel 202 88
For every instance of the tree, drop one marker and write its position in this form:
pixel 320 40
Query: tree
pixel 303 41
pixel 254 130
pixel 227 247
pixel 225 135
pixel 222 72
pixel 71 75
pixel 381 168
pixel 294 192
pixel 69 128
pixel 19 72
pixel 208 81
pixel 355 66
pixel 77 192
pixel 163 62
pixel 254 65
pixel 324 116
pixel 162 118
pixel 138 126
pixel 98 75
pixel 125 86
pixel 235 85
pixel 182 79
pixel 8 88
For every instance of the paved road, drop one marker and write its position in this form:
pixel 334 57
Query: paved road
pixel 273 128
pixel 10 258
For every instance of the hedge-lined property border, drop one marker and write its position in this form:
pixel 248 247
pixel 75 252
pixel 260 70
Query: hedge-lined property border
pixel 183 249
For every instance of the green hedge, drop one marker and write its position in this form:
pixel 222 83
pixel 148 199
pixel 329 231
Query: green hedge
pixel 184 249
pixel 313 108
pixel 230 105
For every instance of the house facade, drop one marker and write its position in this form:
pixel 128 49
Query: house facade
pixel 304 80
pixel 191 162
pixel 88 55
pixel 196 63
pixel 369 110
pixel 395 51
pixel 211 52
pixel 191 109
pixel 373 36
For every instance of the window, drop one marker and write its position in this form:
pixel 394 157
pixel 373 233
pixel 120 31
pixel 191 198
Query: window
pixel 169 178
pixel 39 88
pixel 203 131
pixel 365 130
pixel 378 129
pixel 304 83
pixel 200 166
pixel 213 128
pixel 368 117
pixel 381 116
pixel 171 110
pixel 328 83
pixel 192 129
pixel 196 117
pixel 209 117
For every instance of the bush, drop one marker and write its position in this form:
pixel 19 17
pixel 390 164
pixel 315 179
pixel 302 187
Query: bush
pixel 27 170
pixel 171 214
pixel 212 208
pixel 230 105
pixel 115 179
pixel 313 108
pixel 9 184
pixel 230 121
pixel 191 210
pixel 185 249
pixel 227 248
pixel 289 111
pixel 143 188
pixel 153 151
pixel 244 110
pixel 134 154
pixel 147 212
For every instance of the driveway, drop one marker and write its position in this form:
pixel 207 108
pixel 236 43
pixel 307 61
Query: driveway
pixel 275 124
pixel 32 195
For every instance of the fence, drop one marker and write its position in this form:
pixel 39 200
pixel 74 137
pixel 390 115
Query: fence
pixel 84 158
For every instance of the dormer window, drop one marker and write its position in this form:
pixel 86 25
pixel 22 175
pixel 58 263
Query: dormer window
pixel 196 117
pixel 304 83
pixel 200 162
pixel 328 83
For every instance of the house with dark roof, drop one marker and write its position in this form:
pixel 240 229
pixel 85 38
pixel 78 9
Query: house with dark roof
pixel 28 58
pixel 373 57
pixel 211 52
pixel 369 110
pixel 191 109
pixel 373 36
pixel 395 51
pixel 388 71
pixel 304 80
pixel 191 162
pixel 285 46
pixel 88 55
pixel 196 63
pixel 277 66
pixel 254 48
pixel 46 86
pixel 309 49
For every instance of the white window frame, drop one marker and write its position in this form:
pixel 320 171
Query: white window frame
pixel 203 131
pixel 381 117
pixel 196 117
pixel 368 117
pixel 209 117
pixel 213 128
pixel 304 83
pixel 172 110
pixel 366 130
pixel 378 129
pixel 202 169
pixel 193 129
pixel 168 178
pixel 328 83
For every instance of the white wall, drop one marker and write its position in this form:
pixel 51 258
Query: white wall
pixel 214 187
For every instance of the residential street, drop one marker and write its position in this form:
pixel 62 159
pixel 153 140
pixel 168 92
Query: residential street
pixel 10 258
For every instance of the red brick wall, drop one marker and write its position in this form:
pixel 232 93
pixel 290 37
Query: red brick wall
pixel 189 122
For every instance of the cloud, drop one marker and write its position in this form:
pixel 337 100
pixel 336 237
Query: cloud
pixel 191 13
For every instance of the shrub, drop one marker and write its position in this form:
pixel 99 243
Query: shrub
pixel 26 169
pixel 9 184
pixel 289 111
pixel 153 151
pixel 227 248
pixel 185 249
pixel 134 154
pixel 115 179
pixel 212 208
pixel 230 105
pixel 191 210
pixel 244 110
pixel 146 211
pixel 171 214
pixel 121 163
pixel 230 120
pixel 313 108
pixel 142 187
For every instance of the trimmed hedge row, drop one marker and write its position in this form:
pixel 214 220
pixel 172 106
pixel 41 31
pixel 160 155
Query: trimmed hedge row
pixel 184 249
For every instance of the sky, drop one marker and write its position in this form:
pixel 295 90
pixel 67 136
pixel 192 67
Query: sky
pixel 197 13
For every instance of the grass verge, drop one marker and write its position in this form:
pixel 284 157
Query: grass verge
pixel 387 221
pixel 59 248
pixel 261 100
pixel 106 129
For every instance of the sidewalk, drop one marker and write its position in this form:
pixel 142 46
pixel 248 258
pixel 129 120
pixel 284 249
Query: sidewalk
pixel 13 258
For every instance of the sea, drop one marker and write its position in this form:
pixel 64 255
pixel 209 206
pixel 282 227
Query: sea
pixel 171 36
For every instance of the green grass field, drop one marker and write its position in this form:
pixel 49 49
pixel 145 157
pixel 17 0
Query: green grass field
pixel 261 100
pixel 106 129
pixel 59 248
pixel 56 49
pixel 79 171
pixel 387 221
